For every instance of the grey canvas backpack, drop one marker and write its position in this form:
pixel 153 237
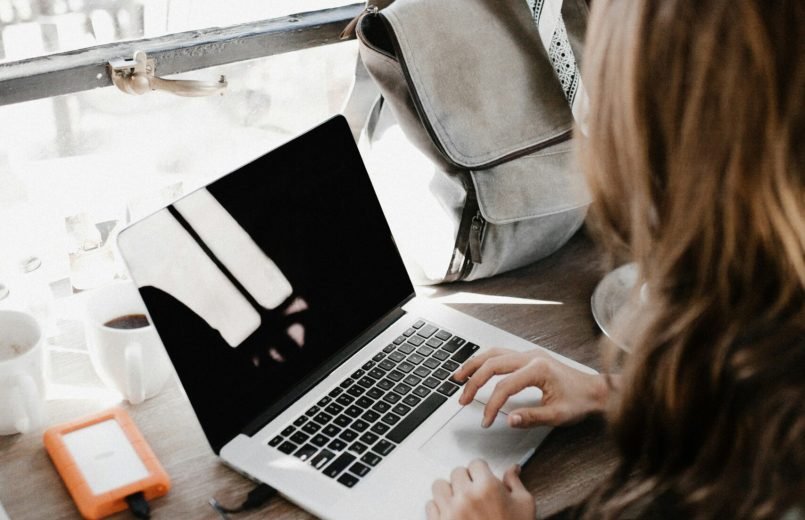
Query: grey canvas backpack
pixel 473 126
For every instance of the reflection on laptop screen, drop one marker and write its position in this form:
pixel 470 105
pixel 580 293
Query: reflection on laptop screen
pixel 255 281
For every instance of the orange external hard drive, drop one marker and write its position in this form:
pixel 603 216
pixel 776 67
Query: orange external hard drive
pixel 103 459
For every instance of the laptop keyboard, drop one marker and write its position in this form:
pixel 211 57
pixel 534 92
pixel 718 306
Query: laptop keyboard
pixel 360 421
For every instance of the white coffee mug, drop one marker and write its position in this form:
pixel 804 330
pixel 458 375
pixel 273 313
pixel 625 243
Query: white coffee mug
pixel 130 360
pixel 22 382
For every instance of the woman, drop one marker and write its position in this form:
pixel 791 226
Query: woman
pixel 694 154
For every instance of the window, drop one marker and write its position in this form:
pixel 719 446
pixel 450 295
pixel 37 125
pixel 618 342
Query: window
pixel 79 158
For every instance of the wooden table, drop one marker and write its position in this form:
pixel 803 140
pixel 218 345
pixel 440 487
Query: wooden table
pixel 566 467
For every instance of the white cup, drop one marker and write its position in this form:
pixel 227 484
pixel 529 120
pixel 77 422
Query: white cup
pixel 132 361
pixel 22 383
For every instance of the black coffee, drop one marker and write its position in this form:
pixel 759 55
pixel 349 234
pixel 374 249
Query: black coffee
pixel 129 321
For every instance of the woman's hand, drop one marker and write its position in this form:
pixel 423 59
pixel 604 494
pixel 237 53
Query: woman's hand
pixel 474 493
pixel 568 395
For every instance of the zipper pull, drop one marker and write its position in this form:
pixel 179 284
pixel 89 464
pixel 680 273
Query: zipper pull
pixel 349 30
pixel 476 236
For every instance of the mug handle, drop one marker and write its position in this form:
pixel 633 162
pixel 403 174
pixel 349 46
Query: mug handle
pixel 135 377
pixel 28 414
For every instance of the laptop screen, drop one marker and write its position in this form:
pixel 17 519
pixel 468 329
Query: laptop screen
pixel 254 282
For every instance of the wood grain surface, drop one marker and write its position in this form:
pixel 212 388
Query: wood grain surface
pixel 564 469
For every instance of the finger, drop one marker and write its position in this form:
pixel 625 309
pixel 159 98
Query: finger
pixel 532 374
pixel 460 479
pixel 536 416
pixel 442 493
pixel 479 471
pixel 472 364
pixel 503 364
pixel 511 479
pixel 432 510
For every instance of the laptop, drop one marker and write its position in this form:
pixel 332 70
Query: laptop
pixel 311 364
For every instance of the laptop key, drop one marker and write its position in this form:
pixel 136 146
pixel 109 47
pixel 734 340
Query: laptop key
pixel 319 440
pixel 299 437
pixel 405 367
pixel 369 438
pixel 300 421
pixel 385 384
pixel 380 428
pixel 357 374
pixel 405 348
pixel 306 451
pixel 387 364
pixel 275 441
pixel 345 400
pixel 331 430
pixel 360 469
pixel 348 435
pixel 371 458
pixel 443 335
pixel 454 344
pixel 447 388
pixel 339 465
pixel 377 357
pixel 412 400
pixel 287 431
pixel 321 460
pixel 418 324
pixel 422 372
pixel 354 411
pixel 348 480
pixel 368 365
pixel 383 447
pixel 346 382
pixel 334 409
pixel 465 352
pixel 311 428
pixel 374 393
pixel 364 402
pixel 434 342
pixel 450 366
pixel 401 409
pixel 370 416
pixel 431 382
pixel 389 348
pixel 415 359
pixel 337 445
pixel 431 363
pixel 391 418
pixel 421 391
pixel 415 418
pixel 396 356
pixel 426 331
pixel 324 401
pixel 391 397
pixel 312 411
pixel 360 425
pixel 342 421
pixel 409 332
pixel 441 355
pixel 424 350
pixel 287 447
pixel 395 375
pixel 366 382
pixel 323 418
pixel 381 406
pixel 400 339
pixel 402 388
pixel 416 341
pixel 441 373
pixel 358 447
pixel 412 380
pixel 377 373
pixel 356 391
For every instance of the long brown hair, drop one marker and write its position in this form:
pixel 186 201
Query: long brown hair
pixel 694 154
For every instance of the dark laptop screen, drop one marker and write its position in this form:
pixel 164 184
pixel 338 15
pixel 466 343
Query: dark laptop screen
pixel 332 270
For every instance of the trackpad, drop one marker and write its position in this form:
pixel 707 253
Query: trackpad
pixel 462 439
